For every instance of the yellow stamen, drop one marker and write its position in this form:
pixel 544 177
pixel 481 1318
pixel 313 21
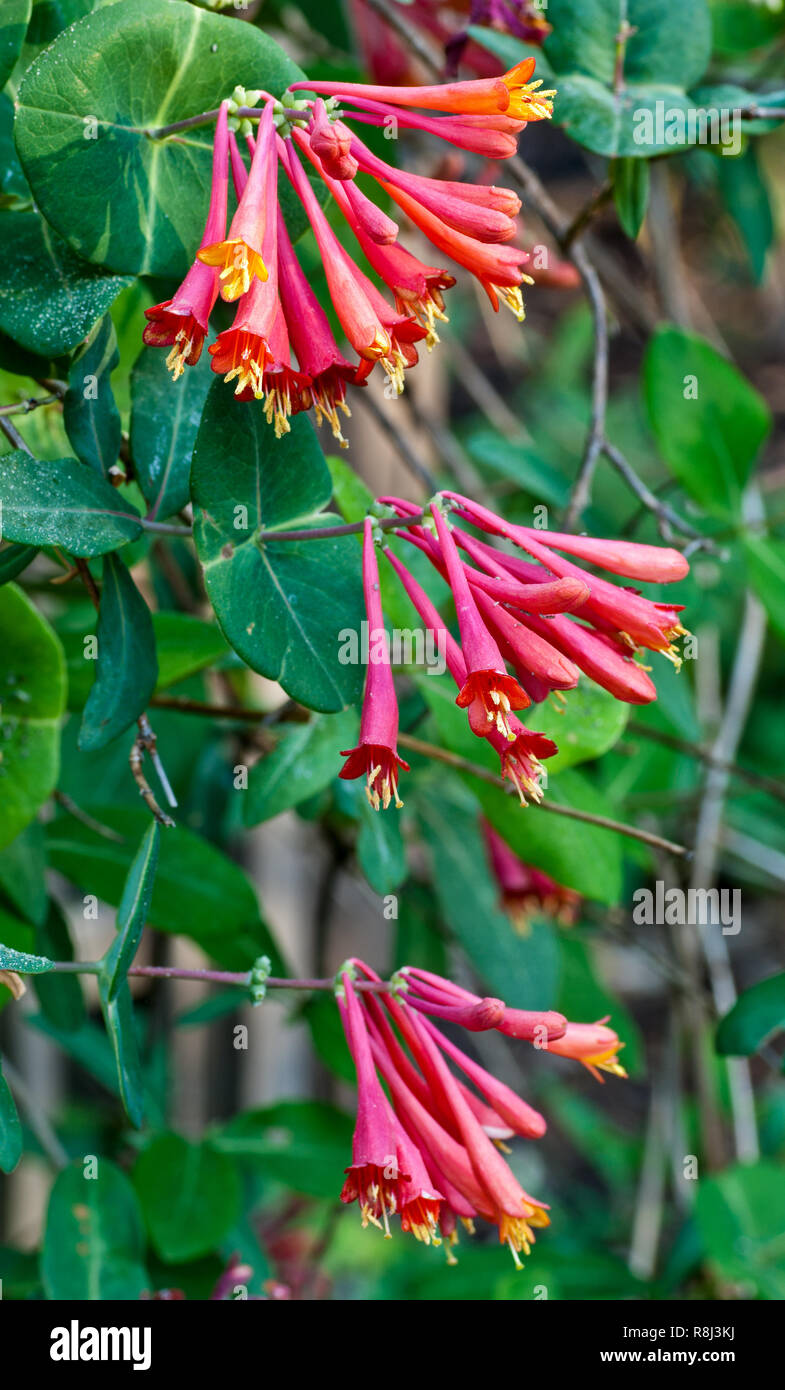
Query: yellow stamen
pixel 239 265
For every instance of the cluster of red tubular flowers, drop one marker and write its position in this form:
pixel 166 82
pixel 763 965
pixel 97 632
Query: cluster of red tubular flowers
pixel 528 628
pixel 525 891
pixel 427 1143
pixel 254 265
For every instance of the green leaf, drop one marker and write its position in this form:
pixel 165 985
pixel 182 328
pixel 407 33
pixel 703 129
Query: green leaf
pixel 381 852
pixel 22 962
pixel 185 645
pixel 766 570
pixel 198 891
pixel 13 27
pixel 61 502
pixel 757 1014
pixel 51 297
pixel 521 970
pixel 165 418
pixel 632 104
pixel 741 1216
pixel 304 761
pixel 133 911
pixel 127 669
pixel 303 1144
pixel 631 193
pixel 282 607
pixel 709 423
pixel 91 418
pixel 118 1014
pixel 10 1128
pixel 746 196
pixel 94 1240
pixel 189 1194
pixel 23 874
pixel 32 700
pixel 578 855
pixel 14 559
pixel 670 41
pixel 59 994
pixel 132 68
pixel 591 722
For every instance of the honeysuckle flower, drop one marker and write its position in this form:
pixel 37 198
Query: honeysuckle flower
pixel 331 141
pixel 417 288
pixel 477 217
pixel 512 93
pixel 498 268
pixel 182 321
pixel 449 1130
pixel 376 756
pixel 373 1178
pixel 317 352
pixel 359 320
pixel 590 1043
pixel 519 757
pixel 525 890
pixel 489 693
pixel 238 256
pixel 638 621
pixel 519 1117
pixel 494 137
pixel 513 1211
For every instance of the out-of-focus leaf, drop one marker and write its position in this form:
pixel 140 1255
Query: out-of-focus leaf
pixel 32 700
pixel 521 970
pixel 631 193
pixel 94 1239
pixel 127 668
pixel 709 423
pixel 300 1143
pixel 757 1014
pixel 189 1194
pixel 741 1216
pixel 305 759
pixel 10 1128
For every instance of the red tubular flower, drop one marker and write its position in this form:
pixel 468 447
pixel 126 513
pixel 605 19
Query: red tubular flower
pixel 514 1212
pixel 494 137
pixel 255 351
pixel 498 268
pixel 181 322
pixel 312 339
pixel 452 202
pixel 637 620
pixel 519 757
pixel 376 756
pixel 526 891
pixel 590 1043
pixel 359 320
pixel 490 693
pixel 374 1178
pixel 417 287
pixel 332 142
pixel 521 1118
pixel 512 93
pixel 239 255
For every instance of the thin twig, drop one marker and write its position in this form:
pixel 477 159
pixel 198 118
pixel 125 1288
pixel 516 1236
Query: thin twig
pixel 145 742
pixel 36 1117
pixel 443 755
pixel 71 807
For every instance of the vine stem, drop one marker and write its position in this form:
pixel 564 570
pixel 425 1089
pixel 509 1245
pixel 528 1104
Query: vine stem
pixel 216 977
pixel 442 755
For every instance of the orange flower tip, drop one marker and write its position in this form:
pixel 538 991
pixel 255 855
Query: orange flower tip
pixel 238 264
pixel 527 101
